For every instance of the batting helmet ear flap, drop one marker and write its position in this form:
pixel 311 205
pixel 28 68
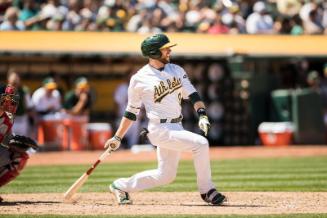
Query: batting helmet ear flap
pixel 155 54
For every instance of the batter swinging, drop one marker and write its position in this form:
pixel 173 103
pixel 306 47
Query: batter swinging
pixel 161 86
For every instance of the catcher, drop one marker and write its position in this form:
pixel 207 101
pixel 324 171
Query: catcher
pixel 13 148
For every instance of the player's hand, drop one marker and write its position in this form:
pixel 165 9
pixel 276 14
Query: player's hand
pixel 113 143
pixel 204 124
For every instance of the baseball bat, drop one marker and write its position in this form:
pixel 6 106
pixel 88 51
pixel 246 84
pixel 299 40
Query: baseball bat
pixel 80 181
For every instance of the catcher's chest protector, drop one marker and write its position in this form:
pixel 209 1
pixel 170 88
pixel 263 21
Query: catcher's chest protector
pixel 6 123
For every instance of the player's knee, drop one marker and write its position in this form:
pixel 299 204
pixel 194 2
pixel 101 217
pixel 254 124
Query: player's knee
pixel 166 178
pixel 8 177
pixel 203 142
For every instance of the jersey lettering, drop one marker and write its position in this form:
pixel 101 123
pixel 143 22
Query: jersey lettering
pixel 162 90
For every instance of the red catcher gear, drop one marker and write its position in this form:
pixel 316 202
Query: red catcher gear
pixel 10 90
pixel 6 122
pixel 14 169
pixel 9 100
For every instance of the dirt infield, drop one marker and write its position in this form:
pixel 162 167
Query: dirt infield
pixel 169 202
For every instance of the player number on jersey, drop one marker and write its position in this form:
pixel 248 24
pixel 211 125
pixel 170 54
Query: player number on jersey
pixel 180 98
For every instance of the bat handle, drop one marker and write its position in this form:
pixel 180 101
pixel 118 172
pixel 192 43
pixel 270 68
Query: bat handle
pixel 105 154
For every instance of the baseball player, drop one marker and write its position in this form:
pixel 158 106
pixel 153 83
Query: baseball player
pixel 13 149
pixel 161 86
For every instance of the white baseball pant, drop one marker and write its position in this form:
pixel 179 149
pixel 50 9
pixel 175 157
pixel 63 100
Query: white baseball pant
pixel 171 139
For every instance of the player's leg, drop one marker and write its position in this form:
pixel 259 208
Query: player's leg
pixel 175 137
pixel 164 174
pixel 182 140
pixel 17 164
pixel 19 161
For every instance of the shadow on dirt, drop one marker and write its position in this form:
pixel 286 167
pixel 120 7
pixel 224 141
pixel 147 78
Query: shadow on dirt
pixel 15 203
pixel 223 205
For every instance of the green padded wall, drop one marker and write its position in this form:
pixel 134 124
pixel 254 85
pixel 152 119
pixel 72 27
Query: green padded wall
pixel 307 116
pixel 281 105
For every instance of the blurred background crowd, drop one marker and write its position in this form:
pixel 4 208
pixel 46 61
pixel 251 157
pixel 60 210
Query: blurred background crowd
pixel 238 90
pixel 236 104
pixel 294 17
pixel 48 99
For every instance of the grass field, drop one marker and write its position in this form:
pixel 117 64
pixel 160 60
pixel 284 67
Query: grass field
pixel 307 174
pixel 278 174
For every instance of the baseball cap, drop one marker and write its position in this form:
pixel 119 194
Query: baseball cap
pixel 81 83
pixel 259 7
pixel 312 76
pixel 49 83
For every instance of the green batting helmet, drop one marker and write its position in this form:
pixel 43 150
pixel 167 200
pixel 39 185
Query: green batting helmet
pixel 151 46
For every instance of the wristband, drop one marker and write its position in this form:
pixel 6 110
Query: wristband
pixel 201 112
pixel 117 138
pixel 130 115
pixel 194 97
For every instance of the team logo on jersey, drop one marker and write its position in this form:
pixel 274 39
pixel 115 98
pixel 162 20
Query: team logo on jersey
pixel 163 89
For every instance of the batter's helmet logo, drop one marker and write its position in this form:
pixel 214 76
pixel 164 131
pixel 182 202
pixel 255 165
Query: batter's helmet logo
pixel 151 46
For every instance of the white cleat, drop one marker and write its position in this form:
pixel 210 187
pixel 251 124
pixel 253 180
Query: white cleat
pixel 122 197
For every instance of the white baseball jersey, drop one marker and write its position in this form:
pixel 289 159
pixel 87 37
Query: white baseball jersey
pixel 161 92
pixel 43 102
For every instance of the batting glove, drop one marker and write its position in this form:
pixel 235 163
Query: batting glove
pixel 113 143
pixel 204 124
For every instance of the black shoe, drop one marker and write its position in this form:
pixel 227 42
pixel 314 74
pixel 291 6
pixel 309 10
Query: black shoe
pixel 213 197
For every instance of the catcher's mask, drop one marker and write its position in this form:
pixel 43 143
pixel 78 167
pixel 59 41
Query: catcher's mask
pixel 151 46
pixel 9 100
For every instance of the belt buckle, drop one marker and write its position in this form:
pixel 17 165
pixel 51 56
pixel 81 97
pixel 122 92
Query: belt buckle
pixel 163 120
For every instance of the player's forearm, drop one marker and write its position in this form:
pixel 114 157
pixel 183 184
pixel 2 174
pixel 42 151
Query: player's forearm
pixel 78 108
pixel 199 104
pixel 196 101
pixel 125 124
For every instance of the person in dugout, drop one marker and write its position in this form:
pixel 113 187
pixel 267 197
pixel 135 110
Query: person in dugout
pixel 13 148
pixel 78 101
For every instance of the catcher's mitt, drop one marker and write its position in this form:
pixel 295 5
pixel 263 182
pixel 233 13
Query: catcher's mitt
pixel 22 143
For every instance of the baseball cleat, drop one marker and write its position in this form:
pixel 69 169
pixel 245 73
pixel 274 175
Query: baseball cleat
pixel 122 197
pixel 213 197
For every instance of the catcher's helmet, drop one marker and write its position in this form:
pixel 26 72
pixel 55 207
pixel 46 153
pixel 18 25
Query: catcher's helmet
pixel 151 46
pixel 9 100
